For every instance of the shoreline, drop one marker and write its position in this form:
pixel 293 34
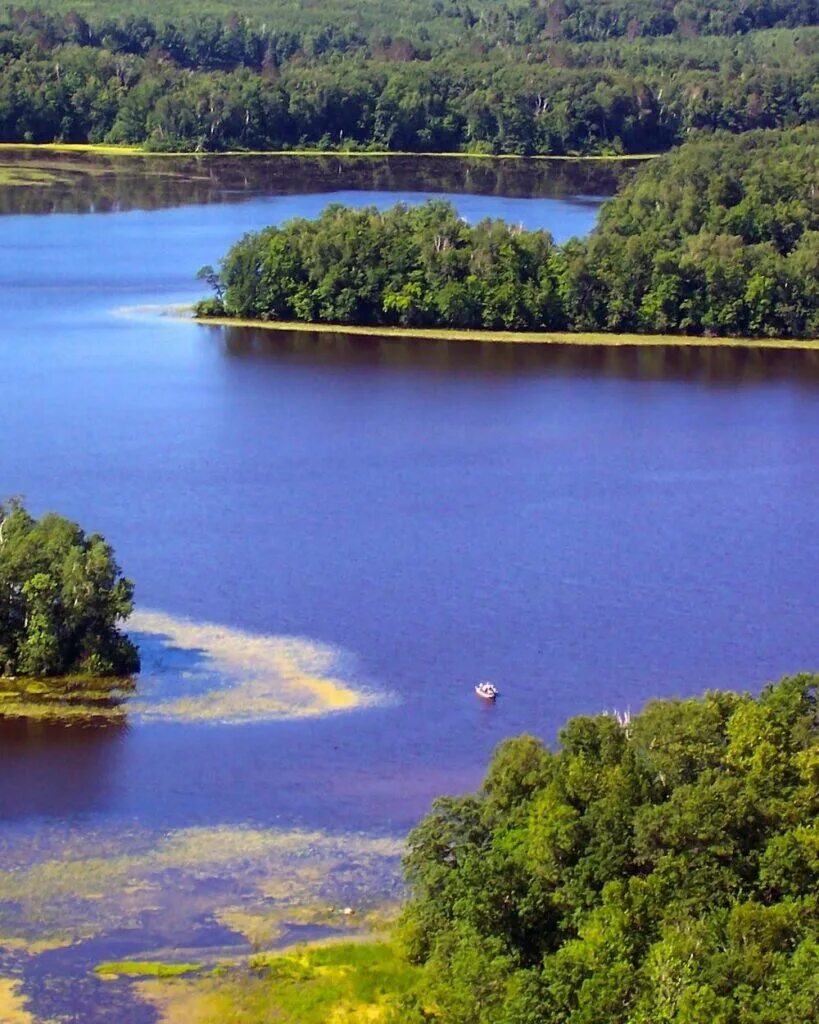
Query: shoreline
pixel 102 149
pixel 508 337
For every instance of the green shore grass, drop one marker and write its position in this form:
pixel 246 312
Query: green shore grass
pixel 336 983
pixel 102 149
pixel 515 337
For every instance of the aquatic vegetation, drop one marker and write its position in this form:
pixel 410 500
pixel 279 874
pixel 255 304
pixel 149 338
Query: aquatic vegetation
pixel 432 334
pixel 64 887
pixel 253 677
pixel 143 968
pixel 13 1004
pixel 66 698
pixel 325 984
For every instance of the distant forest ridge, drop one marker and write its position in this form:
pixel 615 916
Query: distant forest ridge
pixel 434 23
pixel 432 76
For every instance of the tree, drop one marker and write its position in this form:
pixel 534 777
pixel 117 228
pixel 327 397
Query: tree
pixel 62 595
pixel 660 868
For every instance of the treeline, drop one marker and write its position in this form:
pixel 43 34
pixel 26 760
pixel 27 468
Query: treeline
pixel 721 237
pixel 427 25
pixel 661 868
pixel 209 85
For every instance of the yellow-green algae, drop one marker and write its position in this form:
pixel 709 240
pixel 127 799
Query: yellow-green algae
pixel 272 676
pixel 144 969
pixel 337 983
pixel 65 886
pixel 265 926
pixel 13 1004
pixel 511 337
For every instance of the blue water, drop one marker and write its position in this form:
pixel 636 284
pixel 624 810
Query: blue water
pixel 587 535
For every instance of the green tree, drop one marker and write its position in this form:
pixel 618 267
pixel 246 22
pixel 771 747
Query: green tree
pixel 62 595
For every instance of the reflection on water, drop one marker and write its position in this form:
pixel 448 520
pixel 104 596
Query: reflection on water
pixel 38 182
pixel 68 770
pixel 705 364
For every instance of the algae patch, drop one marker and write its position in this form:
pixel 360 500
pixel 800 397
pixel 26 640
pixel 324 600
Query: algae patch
pixel 252 676
pixel 13 1004
pixel 204 889
pixel 143 969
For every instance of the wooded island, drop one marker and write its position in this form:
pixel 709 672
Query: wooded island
pixel 720 237
pixel 61 597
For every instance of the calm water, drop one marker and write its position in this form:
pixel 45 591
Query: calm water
pixel 588 529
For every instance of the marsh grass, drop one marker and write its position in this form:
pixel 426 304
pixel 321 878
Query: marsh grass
pixel 510 337
pixel 325 984
pixel 64 697
pixel 108 150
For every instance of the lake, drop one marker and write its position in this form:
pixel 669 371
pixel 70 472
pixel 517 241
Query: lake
pixel 586 528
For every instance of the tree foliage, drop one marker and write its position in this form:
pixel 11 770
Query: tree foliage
pixel 721 237
pixel 61 597
pixel 443 76
pixel 662 869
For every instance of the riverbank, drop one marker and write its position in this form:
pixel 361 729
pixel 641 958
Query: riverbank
pixel 100 149
pixel 509 337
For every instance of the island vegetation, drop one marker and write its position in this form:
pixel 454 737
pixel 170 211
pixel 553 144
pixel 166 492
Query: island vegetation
pixel 660 868
pixel 656 868
pixel 488 76
pixel 720 237
pixel 62 596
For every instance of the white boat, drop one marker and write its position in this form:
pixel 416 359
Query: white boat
pixel 487 691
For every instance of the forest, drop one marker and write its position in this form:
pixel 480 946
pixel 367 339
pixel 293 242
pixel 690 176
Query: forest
pixel 661 868
pixel 719 237
pixel 487 77
pixel 62 595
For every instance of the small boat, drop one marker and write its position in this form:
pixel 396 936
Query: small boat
pixel 487 691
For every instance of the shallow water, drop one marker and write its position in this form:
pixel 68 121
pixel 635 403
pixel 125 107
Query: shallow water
pixel 587 528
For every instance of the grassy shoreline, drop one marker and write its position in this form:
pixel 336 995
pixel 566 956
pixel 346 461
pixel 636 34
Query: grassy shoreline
pixel 513 337
pixel 102 149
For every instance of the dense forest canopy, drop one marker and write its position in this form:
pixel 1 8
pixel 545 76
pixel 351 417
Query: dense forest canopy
pixel 440 22
pixel 61 597
pixel 660 869
pixel 433 76
pixel 719 237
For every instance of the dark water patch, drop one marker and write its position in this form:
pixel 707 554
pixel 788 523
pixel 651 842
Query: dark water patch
pixel 62 985
pixel 72 768
pixel 705 364
pixel 96 183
